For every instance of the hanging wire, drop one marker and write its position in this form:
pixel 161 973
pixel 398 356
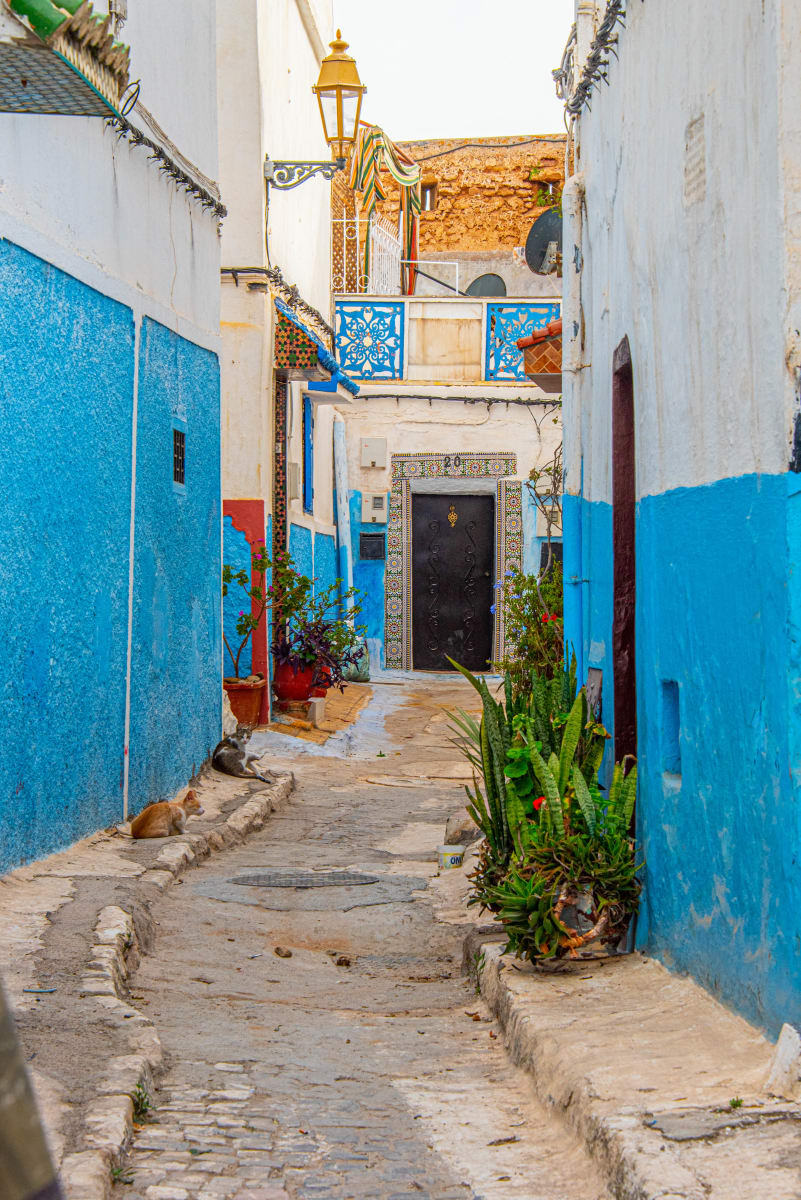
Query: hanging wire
pixel 125 131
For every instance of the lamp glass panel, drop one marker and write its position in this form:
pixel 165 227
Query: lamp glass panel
pixel 328 107
pixel 350 108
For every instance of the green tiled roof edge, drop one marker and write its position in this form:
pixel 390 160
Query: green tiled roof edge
pixel 75 21
pixel 44 16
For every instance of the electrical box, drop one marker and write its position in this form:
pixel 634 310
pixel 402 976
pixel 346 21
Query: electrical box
pixel 374 452
pixel 293 481
pixel 374 508
pixel 542 524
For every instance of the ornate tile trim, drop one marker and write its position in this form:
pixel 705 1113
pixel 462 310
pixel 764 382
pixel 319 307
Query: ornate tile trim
pixel 508 536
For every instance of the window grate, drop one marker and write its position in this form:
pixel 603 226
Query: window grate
pixel 178 456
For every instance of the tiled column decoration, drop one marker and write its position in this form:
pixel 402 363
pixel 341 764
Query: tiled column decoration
pixel 508 550
pixel 508 535
pixel 279 474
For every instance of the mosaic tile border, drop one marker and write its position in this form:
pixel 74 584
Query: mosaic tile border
pixel 508 536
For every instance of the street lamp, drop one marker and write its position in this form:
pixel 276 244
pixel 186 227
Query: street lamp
pixel 339 92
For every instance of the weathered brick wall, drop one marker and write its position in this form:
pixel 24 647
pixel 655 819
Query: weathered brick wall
pixel 487 193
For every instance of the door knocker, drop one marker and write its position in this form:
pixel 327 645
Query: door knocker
pixel 452 516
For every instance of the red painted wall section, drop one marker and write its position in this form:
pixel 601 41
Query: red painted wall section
pixel 248 517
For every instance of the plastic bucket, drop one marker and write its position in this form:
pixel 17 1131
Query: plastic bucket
pixel 450 856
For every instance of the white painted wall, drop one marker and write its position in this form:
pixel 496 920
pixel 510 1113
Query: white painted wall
pixel 321 519
pixel 299 220
pixel 99 208
pixel 267 65
pixel 704 284
pixel 246 375
pixel 413 426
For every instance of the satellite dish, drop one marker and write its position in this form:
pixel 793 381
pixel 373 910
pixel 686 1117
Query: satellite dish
pixel 487 285
pixel 544 242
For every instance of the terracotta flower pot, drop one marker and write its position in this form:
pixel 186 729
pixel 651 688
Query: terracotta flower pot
pixel 289 684
pixel 324 681
pixel 245 697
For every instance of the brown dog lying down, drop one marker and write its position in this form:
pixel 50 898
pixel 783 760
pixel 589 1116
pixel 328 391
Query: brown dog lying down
pixel 164 819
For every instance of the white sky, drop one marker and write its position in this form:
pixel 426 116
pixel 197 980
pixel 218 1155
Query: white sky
pixel 455 68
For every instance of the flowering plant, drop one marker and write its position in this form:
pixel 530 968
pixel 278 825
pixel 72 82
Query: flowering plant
pixel 533 610
pixel 258 595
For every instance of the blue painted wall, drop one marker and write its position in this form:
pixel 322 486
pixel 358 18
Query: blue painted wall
pixel 716 626
pixel 236 554
pixel 176 695
pixel 66 382
pixel 300 548
pixel 325 561
pixel 368 577
pixel 532 544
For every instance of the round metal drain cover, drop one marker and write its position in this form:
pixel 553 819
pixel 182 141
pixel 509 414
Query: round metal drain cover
pixel 305 879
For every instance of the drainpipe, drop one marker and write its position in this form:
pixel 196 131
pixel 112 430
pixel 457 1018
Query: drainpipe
pixel 343 501
pixel 572 365
pixel 131 559
pixel 586 13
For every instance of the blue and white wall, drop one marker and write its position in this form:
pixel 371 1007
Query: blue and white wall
pixel 312 534
pixel 110 691
pixel 683 231
pixel 440 419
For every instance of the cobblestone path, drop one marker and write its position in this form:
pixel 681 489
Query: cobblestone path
pixel 363 1065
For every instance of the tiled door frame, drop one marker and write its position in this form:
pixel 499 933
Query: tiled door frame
pixel 441 472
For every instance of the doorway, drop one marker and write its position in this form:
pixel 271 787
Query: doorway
pixel 624 499
pixel 452 557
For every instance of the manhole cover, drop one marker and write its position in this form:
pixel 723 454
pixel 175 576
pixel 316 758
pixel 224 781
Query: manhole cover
pixel 305 879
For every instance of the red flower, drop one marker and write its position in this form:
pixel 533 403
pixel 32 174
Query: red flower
pixel 545 618
pixel 538 803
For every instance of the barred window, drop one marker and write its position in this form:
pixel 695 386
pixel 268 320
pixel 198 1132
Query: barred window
pixel 178 456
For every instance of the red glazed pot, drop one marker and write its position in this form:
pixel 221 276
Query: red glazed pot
pixel 324 676
pixel 245 697
pixel 289 684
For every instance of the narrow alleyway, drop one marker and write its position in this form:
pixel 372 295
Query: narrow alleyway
pixel 364 1064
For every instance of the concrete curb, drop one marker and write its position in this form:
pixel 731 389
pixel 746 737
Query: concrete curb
pixel 638 1162
pixel 118 944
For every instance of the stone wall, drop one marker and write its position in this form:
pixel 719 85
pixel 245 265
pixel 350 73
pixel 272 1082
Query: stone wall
pixel 488 191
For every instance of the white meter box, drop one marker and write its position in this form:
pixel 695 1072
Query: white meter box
pixel 374 508
pixel 374 452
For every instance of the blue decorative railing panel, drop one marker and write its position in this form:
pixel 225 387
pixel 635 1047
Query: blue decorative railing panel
pixel 505 324
pixel 370 338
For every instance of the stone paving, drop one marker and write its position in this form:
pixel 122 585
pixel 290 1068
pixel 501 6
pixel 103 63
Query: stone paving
pixel 359 1062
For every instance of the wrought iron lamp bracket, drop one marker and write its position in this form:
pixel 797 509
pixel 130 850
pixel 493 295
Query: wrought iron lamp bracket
pixel 287 175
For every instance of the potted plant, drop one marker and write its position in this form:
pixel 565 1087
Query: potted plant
pixel 316 639
pixel 245 694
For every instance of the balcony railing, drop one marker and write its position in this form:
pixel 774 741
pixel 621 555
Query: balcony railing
pixel 444 339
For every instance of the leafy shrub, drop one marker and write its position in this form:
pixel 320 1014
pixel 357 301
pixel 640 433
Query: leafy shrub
pixel 535 637
pixel 552 719
pixel 553 842
pixel 580 855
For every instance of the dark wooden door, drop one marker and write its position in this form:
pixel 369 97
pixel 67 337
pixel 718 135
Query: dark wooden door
pixel 624 500
pixel 452 557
